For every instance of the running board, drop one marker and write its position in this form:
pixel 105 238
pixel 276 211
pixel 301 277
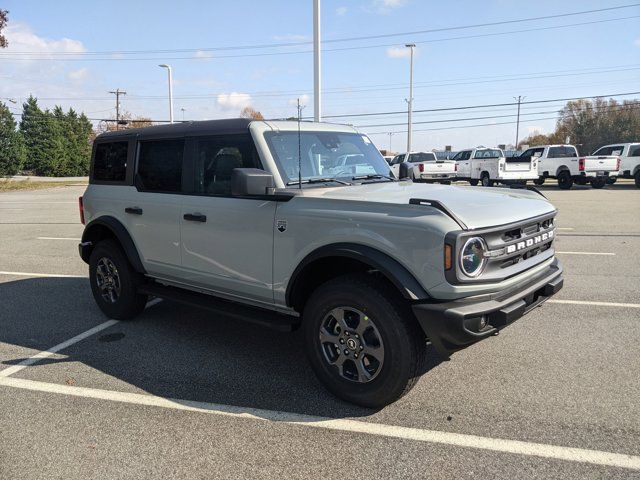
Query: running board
pixel 236 311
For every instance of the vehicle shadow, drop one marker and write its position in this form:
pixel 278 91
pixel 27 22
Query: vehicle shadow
pixel 170 350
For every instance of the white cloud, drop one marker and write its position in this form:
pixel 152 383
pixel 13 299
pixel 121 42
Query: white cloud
pixel 78 76
pixel 384 7
pixel 234 100
pixel 203 54
pixel 22 39
pixel 304 100
pixel 341 11
pixel 398 52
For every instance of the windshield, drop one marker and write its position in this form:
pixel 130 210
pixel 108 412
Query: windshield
pixel 325 155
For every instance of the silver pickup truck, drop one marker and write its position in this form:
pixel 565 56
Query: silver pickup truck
pixel 290 225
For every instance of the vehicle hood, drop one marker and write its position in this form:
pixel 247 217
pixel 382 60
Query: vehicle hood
pixel 477 207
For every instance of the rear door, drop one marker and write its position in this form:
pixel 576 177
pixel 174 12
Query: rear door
pixel 227 242
pixel 152 213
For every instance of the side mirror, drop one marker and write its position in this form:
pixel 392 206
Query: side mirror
pixel 405 170
pixel 251 181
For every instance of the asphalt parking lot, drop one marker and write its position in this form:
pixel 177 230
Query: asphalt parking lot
pixel 181 393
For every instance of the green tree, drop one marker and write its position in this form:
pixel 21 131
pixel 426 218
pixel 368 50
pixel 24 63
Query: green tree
pixel 12 152
pixel 43 138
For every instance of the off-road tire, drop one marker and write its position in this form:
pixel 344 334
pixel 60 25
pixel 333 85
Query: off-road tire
pixel 129 302
pixel 598 182
pixel 404 342
pixel 565 181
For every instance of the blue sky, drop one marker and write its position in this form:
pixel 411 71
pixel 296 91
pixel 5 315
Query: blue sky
pixel 360 76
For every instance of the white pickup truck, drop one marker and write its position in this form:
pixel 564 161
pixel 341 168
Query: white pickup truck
pixel 426 167
pixel 563 163
pixel 629 154
pixel 489 165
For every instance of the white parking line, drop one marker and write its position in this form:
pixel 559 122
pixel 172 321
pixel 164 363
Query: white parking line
pixel 59 238
pixel 565 228
pixel 53 350
pixel 43 275
pixel 587 253
pixel 67 343
pixel 517 447
pixel 598 304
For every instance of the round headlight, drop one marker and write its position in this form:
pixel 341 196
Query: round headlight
pixel 472 259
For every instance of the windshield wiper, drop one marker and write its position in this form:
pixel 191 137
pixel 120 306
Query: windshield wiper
pixel 318 180
pixel 372 176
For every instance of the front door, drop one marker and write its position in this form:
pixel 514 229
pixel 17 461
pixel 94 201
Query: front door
pixel 227 242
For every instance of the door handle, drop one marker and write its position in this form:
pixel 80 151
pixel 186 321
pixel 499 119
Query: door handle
pixel 195 217
pixel 133 210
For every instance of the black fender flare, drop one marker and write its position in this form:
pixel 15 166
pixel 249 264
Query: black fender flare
pixel 121 234
pixel 396 273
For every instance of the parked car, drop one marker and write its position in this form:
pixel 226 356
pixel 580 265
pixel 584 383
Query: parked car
pixel 271 223
pixel 563 163
pixel 488 166
pixel 426 167
pixel 388 158
pixel 629 154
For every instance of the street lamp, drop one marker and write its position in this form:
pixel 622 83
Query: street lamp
pixel 411 46
pixel 168 67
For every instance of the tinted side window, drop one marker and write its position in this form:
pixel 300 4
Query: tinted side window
pixel 617 150
pixel 160 165
pixel 603 151
pixel 215 159
pixel 555 152
pixel 110 162
pixel 634 151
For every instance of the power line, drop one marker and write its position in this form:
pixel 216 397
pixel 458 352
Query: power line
pixel 343 39
pixel 116 57
pixel 467 107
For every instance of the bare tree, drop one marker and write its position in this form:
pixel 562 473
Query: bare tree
pixel 4 18
pixel 250 112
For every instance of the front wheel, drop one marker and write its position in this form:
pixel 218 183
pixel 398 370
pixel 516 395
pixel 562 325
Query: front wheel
pixel 114 282
pixel 598 182
pixel 362 343
pixel 473 183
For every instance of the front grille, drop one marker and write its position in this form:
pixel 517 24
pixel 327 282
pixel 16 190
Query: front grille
pixel 511 249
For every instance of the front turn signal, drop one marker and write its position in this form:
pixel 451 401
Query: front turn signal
pixel 448 256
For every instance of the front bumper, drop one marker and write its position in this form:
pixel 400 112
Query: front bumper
pixel 453 325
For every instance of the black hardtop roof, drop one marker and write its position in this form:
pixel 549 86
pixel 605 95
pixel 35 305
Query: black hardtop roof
pixel 227 126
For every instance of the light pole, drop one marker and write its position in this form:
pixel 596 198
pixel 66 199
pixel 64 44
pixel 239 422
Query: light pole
pixel 519 99
pixel 168 67
pixel 317 101
pixel 411 46
pixel 390 134
pixel 182 110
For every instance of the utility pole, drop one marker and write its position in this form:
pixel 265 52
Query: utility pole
pixel 412 46
pixel 117 93
pixel 317 100
pixel 519 99
pixel 390 134
pixel 300 107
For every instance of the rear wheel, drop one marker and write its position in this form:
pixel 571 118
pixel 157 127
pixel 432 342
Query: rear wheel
pixel 636 177
pixel 565 182
pixel 114 282
pixel 485 179
pixel 363 343
pixel 473 182
pixel 539 181
pixel 598 182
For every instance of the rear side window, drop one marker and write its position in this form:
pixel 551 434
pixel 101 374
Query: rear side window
pixel 562 152
pixel 160 165
pixel 215 159
pixel 110 162
pixel 634 151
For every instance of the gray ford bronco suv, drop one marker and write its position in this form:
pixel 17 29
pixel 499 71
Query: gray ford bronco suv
pixel 291 224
